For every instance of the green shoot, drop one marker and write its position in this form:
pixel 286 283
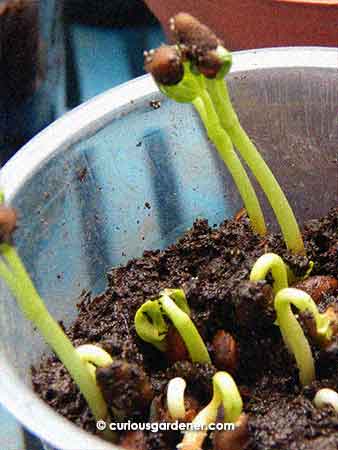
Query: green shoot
pixel 212 61
pixel 292 332
pixel 226 394
pixel 151 326
pixel 13 272
pixel 186 87
pixel 175 398
pixel 94 356
pixel 229 120
pixel 274 263
pixel 325 397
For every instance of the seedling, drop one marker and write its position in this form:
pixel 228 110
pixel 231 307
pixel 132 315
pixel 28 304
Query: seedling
pixel 270 262
pixel 205 63
pixel 177 81
pixel 226 394
pixel 292 333
pixel 175 398
pixel 326 397
pixel 152 327
pixel 13 272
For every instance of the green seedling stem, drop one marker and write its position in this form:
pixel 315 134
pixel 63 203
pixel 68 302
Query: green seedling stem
pixel 292 332
pixel 226 394
pixel 270 262
pixel 151 326
pixel 218 91
pixel 13 272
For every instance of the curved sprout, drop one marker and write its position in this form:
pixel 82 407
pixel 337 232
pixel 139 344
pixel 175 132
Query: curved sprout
pixel 94 356
pixel 151 326
pixel 189 333
pixel 225 393
pixel 179 297
pixel 175 398
pixel 274 263
pixel 292 332
pixel 326 397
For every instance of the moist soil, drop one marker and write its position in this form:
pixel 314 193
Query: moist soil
pixel 212 265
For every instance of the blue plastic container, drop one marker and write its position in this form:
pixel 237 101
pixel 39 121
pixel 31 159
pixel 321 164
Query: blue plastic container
pixel 81 188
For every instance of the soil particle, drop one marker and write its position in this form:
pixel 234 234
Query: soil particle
pixel 155 104
pixel 212 265
pixel 82 174
pixel 125 387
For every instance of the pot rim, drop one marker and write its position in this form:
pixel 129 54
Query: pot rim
pixel 86 120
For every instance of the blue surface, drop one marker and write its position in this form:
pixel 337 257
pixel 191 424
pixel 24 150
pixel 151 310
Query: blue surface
pixel 12 437
pixel 106 57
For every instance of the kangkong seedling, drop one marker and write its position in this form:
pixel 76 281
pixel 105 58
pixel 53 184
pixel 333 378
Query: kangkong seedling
pixel 152 327
pixel 206 62
pixel 176 80
pixel 226 394
pixel 292 332
pixel 325 324
pixel 13 272
pixel 203 46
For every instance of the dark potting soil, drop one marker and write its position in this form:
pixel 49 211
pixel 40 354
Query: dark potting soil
pixel 212 265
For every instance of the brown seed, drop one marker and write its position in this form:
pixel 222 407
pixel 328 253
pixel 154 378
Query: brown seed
pixel 189 31
pixel 233 440
pixel 317 286
pixel 225 350
pixel 209 64
pixel 8 220
pixel 253 303
pixel 176 349
pixel 165 65
pixel 309 322
pixel 134 440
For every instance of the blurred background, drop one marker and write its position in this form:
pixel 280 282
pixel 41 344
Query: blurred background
pixel 55 55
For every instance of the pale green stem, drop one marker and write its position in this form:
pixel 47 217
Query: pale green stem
pixel 278 201
pixel 184 325
pixel 225 392
pixel 326 397
pixel 222 142
pixel 33 308
pixel 292 332
pixel 175 398
pixel 274 263
pixel 94 356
